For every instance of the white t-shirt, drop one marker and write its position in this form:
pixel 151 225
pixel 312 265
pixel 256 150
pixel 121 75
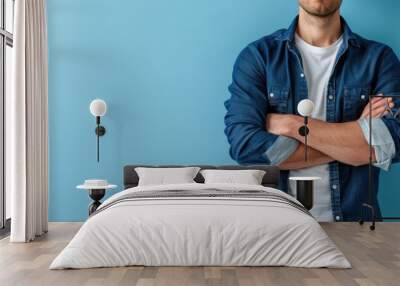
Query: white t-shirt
pixel 317 64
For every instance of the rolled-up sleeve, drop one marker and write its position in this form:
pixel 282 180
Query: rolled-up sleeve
pixel 281 150
pixel 382 141
pixel 247 109
pixel 386 130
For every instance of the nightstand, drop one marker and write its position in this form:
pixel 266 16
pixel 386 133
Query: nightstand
pixel 97 190
pixel 305 190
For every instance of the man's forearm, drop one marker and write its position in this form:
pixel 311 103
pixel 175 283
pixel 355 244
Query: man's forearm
pixel 343 142
pixel 296 160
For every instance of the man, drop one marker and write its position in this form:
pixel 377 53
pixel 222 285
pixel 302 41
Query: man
pixel 320 58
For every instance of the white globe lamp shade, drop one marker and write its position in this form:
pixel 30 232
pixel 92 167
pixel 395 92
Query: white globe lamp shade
pixel 98 107
pixel 305 107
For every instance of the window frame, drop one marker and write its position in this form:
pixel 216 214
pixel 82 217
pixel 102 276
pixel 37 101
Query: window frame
pixel 6 39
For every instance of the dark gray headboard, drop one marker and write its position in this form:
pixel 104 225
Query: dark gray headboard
pixel 271 178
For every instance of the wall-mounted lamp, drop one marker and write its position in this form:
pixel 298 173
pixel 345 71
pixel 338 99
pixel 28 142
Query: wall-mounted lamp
pixel 305 108
pixel 98 108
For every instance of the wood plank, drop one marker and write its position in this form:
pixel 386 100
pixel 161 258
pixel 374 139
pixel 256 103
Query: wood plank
pixel 375 257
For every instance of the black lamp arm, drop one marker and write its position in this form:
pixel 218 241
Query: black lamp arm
pixel 100 131
pixel 303 131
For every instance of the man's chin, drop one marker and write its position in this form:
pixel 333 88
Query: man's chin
pixel 323 14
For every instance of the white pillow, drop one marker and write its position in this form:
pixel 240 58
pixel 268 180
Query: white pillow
pixel 164 176
pixel 248 177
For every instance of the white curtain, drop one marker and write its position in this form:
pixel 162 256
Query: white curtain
pixel 27 124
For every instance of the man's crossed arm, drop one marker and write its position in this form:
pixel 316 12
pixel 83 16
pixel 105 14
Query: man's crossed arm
pixel 344 142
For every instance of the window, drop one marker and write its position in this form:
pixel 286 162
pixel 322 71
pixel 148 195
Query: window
pixel 6 44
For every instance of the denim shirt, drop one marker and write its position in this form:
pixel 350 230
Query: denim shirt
pixel 268 78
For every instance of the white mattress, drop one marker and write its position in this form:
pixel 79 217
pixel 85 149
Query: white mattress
pixel 200 231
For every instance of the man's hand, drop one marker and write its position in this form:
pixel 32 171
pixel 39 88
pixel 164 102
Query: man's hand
pixel 343 142
pixel 380 107
pixel 283 124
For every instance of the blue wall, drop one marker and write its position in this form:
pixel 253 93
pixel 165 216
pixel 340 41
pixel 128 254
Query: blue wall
pixel 163 67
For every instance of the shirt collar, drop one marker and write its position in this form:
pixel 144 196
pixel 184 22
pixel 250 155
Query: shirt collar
pixel 348 35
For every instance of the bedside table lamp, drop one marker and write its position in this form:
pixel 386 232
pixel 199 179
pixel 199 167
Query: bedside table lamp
pixel 98 108
pixel 305 109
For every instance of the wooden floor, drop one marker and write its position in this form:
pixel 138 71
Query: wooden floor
pixel 375 257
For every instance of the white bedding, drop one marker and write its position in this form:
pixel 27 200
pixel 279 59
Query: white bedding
pixel 200 231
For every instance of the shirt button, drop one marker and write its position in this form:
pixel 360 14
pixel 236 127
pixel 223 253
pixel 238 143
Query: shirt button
pixel 330 97
pixel 334 187
pixel 337 218
pixel 302 74
pixel 363 96
pixel 271 94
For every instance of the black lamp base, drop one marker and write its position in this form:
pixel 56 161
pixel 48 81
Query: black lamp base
pixel 372 209
pixel 304 131
pixel 100 130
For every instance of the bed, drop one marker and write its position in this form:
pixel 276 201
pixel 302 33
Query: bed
pixel 198 224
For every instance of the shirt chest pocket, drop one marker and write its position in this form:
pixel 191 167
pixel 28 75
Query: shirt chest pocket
pixel 355 100
pixel 278 99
